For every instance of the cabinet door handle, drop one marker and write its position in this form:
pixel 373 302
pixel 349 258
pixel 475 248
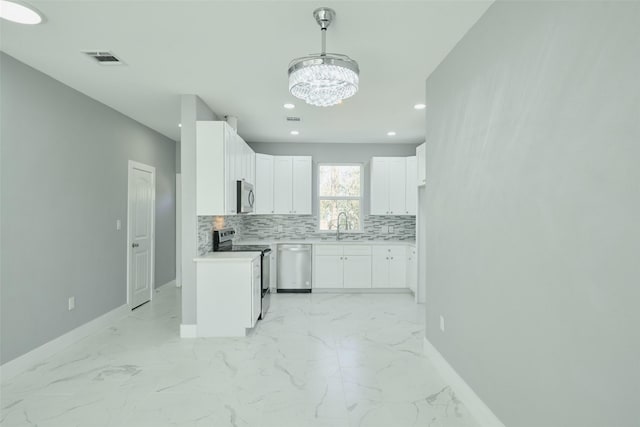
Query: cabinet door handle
pixel 391 257
pixel 345 258
pixel 387 258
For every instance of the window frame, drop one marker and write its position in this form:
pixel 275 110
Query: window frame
pixel 360 198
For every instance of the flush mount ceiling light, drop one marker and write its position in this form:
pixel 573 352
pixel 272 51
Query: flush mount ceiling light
pixel 420 106
pixel 323 79
pixel 289 106
pixel 19 12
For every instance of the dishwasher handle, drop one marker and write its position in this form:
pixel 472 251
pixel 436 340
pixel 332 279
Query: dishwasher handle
pixel 294 249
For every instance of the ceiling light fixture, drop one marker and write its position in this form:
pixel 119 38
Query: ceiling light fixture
pixel 323 79
pixel 289 106
pixel 19 12
pixel 294 132
pixel 391 133
pixel 420 106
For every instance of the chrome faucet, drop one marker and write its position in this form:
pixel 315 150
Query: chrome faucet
pixel 346 222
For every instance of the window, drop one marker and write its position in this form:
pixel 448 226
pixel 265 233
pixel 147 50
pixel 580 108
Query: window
pixel 340 190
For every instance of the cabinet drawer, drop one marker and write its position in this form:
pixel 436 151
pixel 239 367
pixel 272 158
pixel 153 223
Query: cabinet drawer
pixel 328 249
pixel 357 250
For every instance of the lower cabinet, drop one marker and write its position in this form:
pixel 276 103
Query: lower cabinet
pixel 412 269
pixel 228 293
pixel 389 267
pixel 342 266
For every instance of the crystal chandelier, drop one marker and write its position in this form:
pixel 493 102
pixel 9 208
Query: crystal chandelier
pixel 323 79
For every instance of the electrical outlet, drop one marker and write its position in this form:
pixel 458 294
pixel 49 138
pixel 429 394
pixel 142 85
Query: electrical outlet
pixel 390 229
pixel 280 229
pixel 442 323
pixel 72 303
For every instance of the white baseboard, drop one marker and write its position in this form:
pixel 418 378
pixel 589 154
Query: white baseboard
pixel 188 331
pixel 476 407
pixel 170 282
pixel 37 355
pixel 361 291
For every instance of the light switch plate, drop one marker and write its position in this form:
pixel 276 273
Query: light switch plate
pixel 442 323
pixel 72 303
pixel 118 224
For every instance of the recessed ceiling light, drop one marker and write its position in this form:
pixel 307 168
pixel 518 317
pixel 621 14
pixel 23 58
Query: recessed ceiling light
pixel 19 12
pixel 391 133
pixel 420 106
pixel 179 125
pixel 294 132
pixel 289 106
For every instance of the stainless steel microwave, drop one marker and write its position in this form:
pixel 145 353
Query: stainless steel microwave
pixel 246 197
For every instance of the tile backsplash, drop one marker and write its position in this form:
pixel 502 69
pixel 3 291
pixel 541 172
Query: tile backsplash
pixel 302 227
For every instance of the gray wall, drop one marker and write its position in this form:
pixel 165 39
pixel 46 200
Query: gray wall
pixel 337 153
pixel 533 208
pixel 64 183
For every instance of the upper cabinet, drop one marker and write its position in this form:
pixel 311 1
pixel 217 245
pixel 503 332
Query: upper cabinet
pixel 222 158
pixel 389 187
pixel 264 184
pixel 301 191
pixel 292 185
pixel 421 160
pixel 411 187
pixel 283 184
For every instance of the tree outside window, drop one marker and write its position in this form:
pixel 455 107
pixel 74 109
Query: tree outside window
pixel 340 190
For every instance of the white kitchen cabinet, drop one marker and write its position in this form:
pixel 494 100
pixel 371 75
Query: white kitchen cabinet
pixel 379 186
pixel 292 185
pixel 342 266
pixel 329 271
pixel 421 160
pixel 222 158
pixel 411 186
pixel 389 267
pixel 412 269
pixel 397 185
pixel 228 294
pixel 301 192
pixel 264 184
pixel 357 271
pixel 215 169
pixel 282 184
pixel 388 186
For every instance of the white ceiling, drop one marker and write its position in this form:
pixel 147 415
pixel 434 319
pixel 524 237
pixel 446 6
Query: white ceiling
pixel 234 55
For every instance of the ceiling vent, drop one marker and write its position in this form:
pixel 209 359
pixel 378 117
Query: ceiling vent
pixel 294 119
pixel 104 58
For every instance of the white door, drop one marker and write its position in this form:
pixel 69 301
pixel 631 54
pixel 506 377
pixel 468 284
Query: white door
pixel 140 230
pixel 379 186
pixel 357 271
pixel 301 191
pixel 282 185
pixel 411 187
pixel 264 184
pixel 397 185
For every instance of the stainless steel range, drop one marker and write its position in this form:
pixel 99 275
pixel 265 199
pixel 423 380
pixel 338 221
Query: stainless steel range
pixel 223 242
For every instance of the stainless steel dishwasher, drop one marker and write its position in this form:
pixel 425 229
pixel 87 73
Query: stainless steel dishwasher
pixel 294 268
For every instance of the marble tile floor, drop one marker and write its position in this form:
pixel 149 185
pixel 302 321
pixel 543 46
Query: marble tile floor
pixel 331 360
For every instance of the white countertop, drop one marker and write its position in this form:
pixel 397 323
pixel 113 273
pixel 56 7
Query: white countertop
pixel 327 242
pixel 227 256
